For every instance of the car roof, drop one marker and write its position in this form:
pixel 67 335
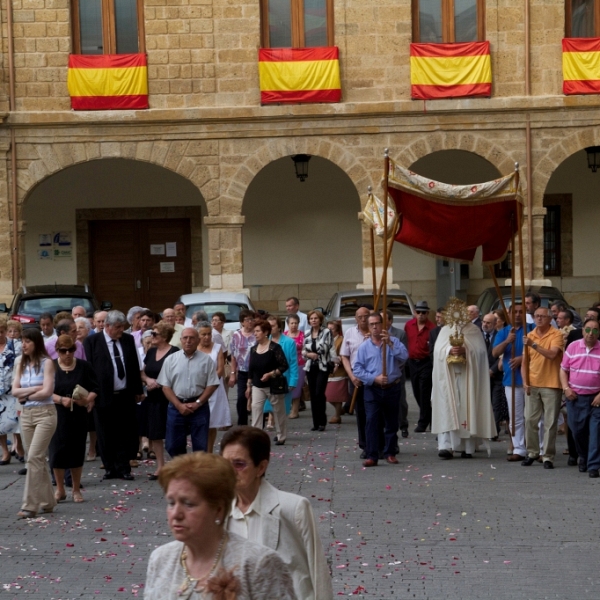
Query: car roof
pixel 206 297
pixel 370 293
pixel 82 290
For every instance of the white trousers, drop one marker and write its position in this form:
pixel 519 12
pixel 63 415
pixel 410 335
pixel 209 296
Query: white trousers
pixel 259 396
pixel 451 440
pixel 518 440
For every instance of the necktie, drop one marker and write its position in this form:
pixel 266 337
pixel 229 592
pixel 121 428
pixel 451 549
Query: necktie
pixel 119 361
pixel 487 340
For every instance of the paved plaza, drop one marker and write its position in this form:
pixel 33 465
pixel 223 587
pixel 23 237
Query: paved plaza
pixel 426 528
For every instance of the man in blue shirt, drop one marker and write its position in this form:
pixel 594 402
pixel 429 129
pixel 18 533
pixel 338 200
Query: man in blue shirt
pixel 503 346
pixel 381 392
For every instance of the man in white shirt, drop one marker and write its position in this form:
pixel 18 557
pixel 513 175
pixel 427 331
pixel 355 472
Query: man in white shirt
pixel 47 326
pixel 292 306
pixel 168 316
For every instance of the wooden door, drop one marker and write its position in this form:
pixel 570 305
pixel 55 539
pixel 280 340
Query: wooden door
pixel 145 263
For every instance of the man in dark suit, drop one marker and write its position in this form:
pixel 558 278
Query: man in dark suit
pixel 115 360
pixel 473 311
pixel 499 405
pixel 433 334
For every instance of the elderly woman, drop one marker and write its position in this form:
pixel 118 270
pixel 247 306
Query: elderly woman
pixel 278 520
pixel 33 386
pixel 9 351
pixel 218 322
pixel 14 331
pixel 156 402
pixel 206 561
pixel 133 318
pixel 337 384
pixel 297 336
pixel 83 328
pixel 267 363
pixel 67 448
pixel 318 351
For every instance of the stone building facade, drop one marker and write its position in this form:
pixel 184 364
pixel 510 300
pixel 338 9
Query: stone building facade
pixel 206 149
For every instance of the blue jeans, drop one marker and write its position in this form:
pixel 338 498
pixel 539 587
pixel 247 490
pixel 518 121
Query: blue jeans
pixel 593 461
pixel 382 403
pixel 578 414
pixel 178 428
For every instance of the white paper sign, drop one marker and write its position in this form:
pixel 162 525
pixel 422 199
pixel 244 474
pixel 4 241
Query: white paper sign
pixel 157 249
pixel 167 267
pixel 171 248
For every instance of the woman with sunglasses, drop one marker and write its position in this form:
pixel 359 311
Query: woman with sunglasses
pixel 67 448
pixel 157 404
pixel 32 387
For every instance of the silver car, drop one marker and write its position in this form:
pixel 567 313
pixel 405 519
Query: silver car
pixel 229 303
pixel 343 305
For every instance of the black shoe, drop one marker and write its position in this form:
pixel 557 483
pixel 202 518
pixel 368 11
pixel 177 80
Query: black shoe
pixel 321 427
pixel 302 406
pixel 572 462
pixel 314 428
pixel 464 454
pixel 446 454
pixel 405 433
pixel 363 455
pixel 280 443
pixel 23 471
pixel 593 473
pixel 548 465
pixel 109 475
pixel 528 461
pixel 419 429
pixel 152 477
pixel 127 477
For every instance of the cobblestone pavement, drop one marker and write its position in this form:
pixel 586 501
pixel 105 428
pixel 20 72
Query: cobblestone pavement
pixel 426 528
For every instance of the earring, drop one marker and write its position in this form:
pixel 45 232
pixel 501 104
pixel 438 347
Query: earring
pixel 217 521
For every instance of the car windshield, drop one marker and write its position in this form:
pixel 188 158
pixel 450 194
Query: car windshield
pixel 53 305
pixel 546 302
pixel 231 311
pixel 397 304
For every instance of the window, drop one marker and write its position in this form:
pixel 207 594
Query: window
pixel 446 21
pixel 108 26
pixel 582 18
pixel 504 268
pixel 296 23
pixel 552 261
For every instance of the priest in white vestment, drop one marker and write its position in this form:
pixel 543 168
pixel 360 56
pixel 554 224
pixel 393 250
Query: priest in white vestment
pixel 460 400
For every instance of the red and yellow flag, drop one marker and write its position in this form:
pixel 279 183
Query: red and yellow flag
pixel 108 81
pixel 293 75
pixel 581 66
pixel 450 70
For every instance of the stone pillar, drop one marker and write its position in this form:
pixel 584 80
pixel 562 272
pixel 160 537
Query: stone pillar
pixel 225 253
pixel 6 245
pixel 538 214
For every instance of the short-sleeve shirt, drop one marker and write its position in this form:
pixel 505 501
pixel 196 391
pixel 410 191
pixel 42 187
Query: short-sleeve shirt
pixel 240 349
pixel 583 366
pixel 418 339
pixel 188 376
pixel 500 338
pixel 543 372
pixel 353 338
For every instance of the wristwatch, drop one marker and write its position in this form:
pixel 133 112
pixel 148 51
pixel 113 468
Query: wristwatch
pixel 534 346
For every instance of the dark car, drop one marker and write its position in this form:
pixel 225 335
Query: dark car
pixel 32 301
pixel 488 300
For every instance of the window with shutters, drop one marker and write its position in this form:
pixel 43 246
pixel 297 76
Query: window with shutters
pixel 447 21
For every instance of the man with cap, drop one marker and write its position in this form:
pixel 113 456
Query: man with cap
pixel 419 362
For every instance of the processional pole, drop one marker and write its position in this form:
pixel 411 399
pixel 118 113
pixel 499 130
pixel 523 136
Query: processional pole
pixel 386 173
pixel 372 234
pixel 512 308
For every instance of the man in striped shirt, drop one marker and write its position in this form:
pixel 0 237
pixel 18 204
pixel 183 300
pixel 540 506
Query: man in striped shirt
pixel 580 378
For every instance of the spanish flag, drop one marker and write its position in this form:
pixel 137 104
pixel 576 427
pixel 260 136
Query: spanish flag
pixel 294 75
pixel 450 70
pixel 581 66
pixel 108 81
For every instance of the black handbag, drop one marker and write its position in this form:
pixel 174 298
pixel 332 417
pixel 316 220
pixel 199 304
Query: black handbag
pixel 279 385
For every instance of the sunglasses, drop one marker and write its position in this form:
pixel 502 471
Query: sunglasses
pixel 72 350
pixel 590 330
pixel 422 312
pixel 154 333
pixel 239 465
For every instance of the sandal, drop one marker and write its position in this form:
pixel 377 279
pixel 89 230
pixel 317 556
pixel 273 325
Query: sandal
pixel 59 498
pixel 78 498
pixel 151 455
pixel 26 514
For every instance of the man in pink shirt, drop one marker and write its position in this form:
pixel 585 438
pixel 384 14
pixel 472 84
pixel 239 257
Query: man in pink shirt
pixel 65 327
pixel 580 379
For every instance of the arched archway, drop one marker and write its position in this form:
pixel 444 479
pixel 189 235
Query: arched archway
pixel 430 279
pixel 304 236
pixel 107 191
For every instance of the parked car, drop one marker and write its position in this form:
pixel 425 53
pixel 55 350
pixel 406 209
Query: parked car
pixel 229 303
pixel 32 301
pixel 343 305
pixel 488 300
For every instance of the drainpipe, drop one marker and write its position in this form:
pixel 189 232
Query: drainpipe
pixel 13 147
pixel 528 143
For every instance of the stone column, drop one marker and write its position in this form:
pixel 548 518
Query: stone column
pixel 225 253
pixel 538 214
pixel 6 244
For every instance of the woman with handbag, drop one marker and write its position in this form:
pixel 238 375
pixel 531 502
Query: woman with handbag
pixel 75 390
pixel 32 387
pixel 265 380
pixel 337 384
pixel 318 350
